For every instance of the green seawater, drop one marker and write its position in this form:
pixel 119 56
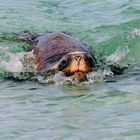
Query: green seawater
pixel 95 111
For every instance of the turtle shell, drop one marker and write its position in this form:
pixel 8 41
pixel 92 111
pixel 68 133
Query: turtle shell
pixel 50 48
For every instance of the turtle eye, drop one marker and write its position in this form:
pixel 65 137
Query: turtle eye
pixel 62 65
pixel 63 62
pixel 91 62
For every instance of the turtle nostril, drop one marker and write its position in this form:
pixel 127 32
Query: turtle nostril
pixel 78 58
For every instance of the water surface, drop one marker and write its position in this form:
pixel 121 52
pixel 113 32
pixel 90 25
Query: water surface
pixel 95 111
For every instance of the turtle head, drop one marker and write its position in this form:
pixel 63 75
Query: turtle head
pixel 77 64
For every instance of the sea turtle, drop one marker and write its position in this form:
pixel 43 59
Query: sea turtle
pixel 60 51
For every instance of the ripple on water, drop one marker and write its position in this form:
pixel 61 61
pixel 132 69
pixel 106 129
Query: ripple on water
pixel 102 110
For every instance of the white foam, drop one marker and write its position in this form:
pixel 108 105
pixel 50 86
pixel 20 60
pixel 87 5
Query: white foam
pixel 135 32
pixel 118 55
pixel 17 62
pixel 28 62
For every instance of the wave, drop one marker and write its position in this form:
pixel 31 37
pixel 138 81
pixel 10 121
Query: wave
pixel 119 50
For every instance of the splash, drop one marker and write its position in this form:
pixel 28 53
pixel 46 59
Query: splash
pixel 16 62
pixel 60 79
pixel 21 66
pixel 8 62
pixel 118 55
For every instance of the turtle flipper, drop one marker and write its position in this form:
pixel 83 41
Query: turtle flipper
pixel 26 36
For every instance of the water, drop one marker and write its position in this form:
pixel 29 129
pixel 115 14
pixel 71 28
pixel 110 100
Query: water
pixel 92 111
